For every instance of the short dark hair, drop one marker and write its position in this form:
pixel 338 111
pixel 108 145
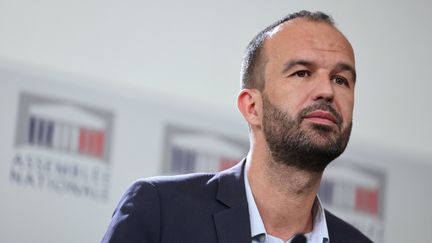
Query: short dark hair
pixel 253 63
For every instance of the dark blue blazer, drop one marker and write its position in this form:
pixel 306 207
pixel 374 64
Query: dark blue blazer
pixel 196 208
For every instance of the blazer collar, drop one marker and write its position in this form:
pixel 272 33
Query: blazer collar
pixel 232 223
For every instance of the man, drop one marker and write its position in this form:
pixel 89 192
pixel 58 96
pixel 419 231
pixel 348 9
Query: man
pixel 297 96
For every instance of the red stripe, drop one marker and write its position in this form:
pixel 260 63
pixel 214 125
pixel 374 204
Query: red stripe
pixel 82 140
pixel 99 143
pixel 92 143
pixel 366 200
pixel 227 163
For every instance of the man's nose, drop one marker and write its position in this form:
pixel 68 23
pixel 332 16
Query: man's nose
pixel 323 89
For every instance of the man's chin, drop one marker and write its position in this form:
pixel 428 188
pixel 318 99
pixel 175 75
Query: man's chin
pixel 324 128
pixel 322 142
pixel 322 134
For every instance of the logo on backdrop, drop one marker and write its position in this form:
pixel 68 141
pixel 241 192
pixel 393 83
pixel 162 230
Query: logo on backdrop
pixel 62 146
pixel 192 150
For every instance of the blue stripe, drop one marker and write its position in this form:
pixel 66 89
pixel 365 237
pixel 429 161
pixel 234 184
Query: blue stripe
pixel 41 131
pixel 50 134
pixel 32 130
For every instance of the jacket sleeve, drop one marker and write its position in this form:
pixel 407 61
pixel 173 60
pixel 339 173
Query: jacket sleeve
pixel 137 216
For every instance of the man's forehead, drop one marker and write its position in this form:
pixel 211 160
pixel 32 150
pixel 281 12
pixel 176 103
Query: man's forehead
pixel 301 28
pixel 302 33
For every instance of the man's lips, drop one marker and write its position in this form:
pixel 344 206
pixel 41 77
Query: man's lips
pixel 321 117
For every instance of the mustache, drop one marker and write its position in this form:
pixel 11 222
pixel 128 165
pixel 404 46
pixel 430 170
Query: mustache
pixel 324 106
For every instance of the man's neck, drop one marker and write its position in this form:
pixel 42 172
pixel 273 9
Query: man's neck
pixel 284 196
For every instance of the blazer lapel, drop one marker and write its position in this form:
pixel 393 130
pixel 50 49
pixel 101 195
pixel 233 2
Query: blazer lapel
pixel 333 229
pixel 232 224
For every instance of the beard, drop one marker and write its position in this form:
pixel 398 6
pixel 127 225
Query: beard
pixel 311 148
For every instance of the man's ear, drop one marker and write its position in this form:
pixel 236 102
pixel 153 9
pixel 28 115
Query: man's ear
pixel 249 104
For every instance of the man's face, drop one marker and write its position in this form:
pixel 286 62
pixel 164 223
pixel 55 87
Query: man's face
pixel 308 97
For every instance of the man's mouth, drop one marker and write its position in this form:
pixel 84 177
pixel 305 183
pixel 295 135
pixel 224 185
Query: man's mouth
pixel 321 117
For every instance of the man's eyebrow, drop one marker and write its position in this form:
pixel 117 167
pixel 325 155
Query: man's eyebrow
pixel 292 63
pixel 339 66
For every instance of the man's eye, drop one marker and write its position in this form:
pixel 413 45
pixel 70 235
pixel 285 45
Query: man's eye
pixel 340 80
pixel 302 73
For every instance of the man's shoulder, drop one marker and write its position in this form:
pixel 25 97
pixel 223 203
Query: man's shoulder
pixel 167 192
pixel 189 183
pixel 341 231
pixel 172 184
pixel 177 182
